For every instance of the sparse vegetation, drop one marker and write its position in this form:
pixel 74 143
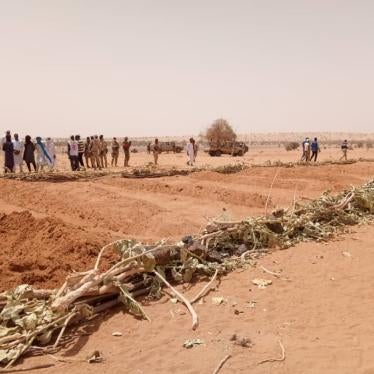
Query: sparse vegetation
pixel 291 146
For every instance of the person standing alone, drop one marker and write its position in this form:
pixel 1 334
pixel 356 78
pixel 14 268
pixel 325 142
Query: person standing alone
pixel 126 149
pixel 344 148
pixel 156 151
pixel 191 152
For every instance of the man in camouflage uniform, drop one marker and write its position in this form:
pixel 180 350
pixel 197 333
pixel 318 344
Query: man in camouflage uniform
pixel 95 152
pixel 87 152
pixel 103 152
pixel 115 152
pixel 126 149
pixel 156 151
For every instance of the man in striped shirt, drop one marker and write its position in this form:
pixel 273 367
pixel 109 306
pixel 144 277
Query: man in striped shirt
pixel 80 150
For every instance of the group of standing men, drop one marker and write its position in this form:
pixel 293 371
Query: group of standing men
pixel 93 153
pixel 17 151
pixel 311 150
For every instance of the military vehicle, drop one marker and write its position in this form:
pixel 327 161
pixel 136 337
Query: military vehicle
pixel 169 147
pixel 227 148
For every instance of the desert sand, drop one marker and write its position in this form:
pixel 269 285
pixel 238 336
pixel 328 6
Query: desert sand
pixel 320 309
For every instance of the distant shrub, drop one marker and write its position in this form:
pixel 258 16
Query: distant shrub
pixel 359 145
pixel 369 145
pixel 220 131
pixel 291 146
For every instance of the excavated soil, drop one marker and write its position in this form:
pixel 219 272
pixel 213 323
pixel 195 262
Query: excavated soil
pixel 39 250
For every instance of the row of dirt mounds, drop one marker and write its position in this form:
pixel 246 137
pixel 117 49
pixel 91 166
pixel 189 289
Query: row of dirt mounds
pixel 198 188
pixel 42 251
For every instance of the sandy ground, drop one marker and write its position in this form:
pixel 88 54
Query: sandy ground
pixel 322 315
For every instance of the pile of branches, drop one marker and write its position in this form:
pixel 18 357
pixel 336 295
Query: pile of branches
pixel 279 163
pixel 57 176
pixel 36 320
pixel 151 171
pixel 230 168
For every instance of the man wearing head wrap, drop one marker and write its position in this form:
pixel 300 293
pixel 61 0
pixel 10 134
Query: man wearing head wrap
pixel 42 156
pixel 28 153
pixel 51 149
pixel 18 153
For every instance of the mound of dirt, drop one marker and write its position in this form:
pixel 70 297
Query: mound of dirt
pixel 42 251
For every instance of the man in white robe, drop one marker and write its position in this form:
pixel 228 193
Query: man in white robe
pixel 18 153
pixel 191 152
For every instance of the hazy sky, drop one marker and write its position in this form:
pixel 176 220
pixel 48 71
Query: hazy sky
pixel 170 67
